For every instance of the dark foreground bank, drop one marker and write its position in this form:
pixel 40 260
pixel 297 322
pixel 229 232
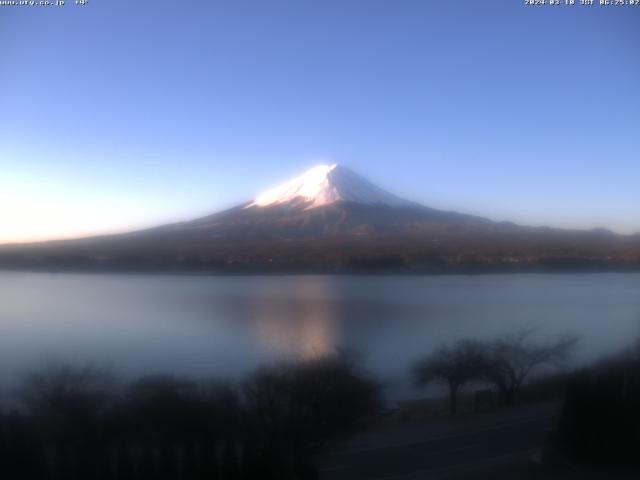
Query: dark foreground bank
pixel 77 424
pixel 297 421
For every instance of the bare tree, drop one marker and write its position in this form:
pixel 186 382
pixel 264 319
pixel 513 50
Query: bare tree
pixel 69 395
pixel 510 359
pixel 294 409
pixel 453 366
pixel 69 404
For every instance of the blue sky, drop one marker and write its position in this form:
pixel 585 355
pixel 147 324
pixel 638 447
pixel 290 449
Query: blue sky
pixel 123 114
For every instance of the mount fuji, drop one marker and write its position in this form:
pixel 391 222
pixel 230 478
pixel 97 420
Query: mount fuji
pixel 330 219
pixel 327 201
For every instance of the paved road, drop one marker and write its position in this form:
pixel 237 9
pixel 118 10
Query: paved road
pixel 437 449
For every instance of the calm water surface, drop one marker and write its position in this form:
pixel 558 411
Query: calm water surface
pixel 225 326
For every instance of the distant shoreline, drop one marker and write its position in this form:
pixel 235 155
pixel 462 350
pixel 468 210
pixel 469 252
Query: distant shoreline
pixel 234 272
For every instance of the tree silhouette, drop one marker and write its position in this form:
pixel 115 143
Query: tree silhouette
pixel 453 366
pixel 600 419
pixel 69 404
pixel 509 360
pixel 296 408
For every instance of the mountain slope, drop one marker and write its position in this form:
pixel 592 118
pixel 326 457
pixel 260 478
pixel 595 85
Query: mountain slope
pixel 331 219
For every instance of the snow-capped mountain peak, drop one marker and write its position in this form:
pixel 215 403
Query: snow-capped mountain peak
pixel 324 185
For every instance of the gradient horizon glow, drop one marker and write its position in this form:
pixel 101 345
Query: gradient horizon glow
pixel 121 115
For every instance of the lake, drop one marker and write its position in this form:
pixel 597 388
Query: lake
pixel 224 326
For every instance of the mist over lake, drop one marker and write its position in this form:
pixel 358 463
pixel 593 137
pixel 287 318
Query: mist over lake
pixel 225 326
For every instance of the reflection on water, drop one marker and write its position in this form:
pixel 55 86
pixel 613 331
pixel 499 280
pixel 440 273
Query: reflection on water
pixel 300 325
pixel 311 336
pixel 225 326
